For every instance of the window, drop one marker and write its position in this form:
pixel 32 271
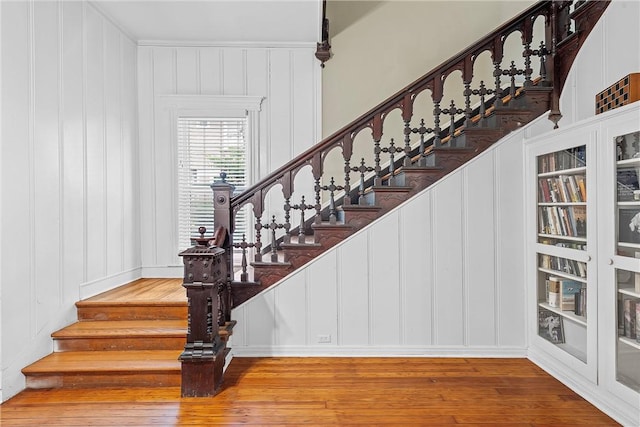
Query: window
pixel 208 146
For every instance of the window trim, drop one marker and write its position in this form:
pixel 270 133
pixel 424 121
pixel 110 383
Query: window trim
pixel 221 106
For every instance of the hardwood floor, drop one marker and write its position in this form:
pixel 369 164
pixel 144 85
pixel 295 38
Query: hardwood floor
pixel 328 391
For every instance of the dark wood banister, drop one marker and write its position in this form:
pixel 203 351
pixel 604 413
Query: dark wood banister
pixel 391 103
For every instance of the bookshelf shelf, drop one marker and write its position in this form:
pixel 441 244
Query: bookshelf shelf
pixel 563 274
pixel 574 351
pixel 562 204
pixel 570 171
pixel 580 320
pixel 629 292
pixel 629 245
pixel 629 204
pixel 561 237
pixel 630 342
pixel 628 163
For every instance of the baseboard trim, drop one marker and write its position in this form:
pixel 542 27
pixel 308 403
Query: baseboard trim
pixel 394 351
pixel 104 284
pixel 163 272
pixel 614 407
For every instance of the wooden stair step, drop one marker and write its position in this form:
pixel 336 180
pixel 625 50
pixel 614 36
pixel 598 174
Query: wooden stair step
pixel 144 368
pixel 136 310
pixel 298 254
pixel 387 197
pixel 420 177
pixel 358 216
pixel 329 235
pixel 449 158
pixel 122 335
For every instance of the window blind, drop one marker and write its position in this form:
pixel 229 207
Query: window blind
pixel 207 147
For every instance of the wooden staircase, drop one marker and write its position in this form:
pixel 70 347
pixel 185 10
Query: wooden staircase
pixel 131 336
pixel 396 187
pixel 409 158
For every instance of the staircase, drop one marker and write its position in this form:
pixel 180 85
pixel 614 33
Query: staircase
pixel 135 340
pixel 131 336
pixel 414 154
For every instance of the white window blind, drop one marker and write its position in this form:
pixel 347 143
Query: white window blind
pixel 207 147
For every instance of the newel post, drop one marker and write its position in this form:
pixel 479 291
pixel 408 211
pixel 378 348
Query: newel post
pixel 223 218
pixel 205 272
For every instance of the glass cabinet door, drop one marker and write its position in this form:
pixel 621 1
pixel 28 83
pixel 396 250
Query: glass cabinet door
pixel 562 223
pixel 562 198
pixel 628 246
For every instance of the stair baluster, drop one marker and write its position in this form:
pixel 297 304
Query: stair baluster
pixel 302 206
pixel 363 168
pixel 243 246
pixel 392 150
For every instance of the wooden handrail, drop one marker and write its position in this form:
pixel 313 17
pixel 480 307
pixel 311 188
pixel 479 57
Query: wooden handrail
pixel 392 102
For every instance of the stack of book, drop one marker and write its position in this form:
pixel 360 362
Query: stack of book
pixel 567 295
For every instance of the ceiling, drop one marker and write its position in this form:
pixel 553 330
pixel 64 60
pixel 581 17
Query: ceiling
pixel 281 21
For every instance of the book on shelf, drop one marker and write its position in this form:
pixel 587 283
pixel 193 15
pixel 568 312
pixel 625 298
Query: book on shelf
pixel 553 293
pixel 568 291
pixel 638 321
pixel 627 181
pixel 580 218
pixel 629 308
pixel 565 265
pixel 581 303
pixel 629 225
pixel 550 326
pixel 582 186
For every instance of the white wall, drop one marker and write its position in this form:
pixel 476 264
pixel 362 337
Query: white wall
pixel 440 275
pixel 69 171
pixel 393 43
pixel 287 76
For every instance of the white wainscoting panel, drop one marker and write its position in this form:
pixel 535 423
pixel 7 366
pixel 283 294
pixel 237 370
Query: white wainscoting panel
pixel 70 200
pixel 287 77
pixel 440 275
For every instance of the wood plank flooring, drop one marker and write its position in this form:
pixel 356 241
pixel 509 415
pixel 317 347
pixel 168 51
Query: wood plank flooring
pixel 328 391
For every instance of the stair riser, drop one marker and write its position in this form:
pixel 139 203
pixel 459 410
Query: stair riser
pixel 298 258
pixel 330 238
pixel 132 313
pixel 119 344
pixel 387 200
pixel 358 220
pixel 163 379
pixel 509 120
pixel 421 180
pixel 267 276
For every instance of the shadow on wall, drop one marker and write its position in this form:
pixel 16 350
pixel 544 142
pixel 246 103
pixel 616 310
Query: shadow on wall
pixel 343 14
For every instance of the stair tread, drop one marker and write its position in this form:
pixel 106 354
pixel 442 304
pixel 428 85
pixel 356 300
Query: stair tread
pixel 181 303
pixel 359 208
pixel 73 362
pixel 123 328
pixel 391 188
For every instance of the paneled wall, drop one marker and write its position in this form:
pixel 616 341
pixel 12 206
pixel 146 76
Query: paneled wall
pixel 440 275
pixel 70 205
pixel 288 77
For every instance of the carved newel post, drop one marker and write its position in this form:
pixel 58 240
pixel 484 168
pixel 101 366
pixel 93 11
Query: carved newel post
pixel 205 273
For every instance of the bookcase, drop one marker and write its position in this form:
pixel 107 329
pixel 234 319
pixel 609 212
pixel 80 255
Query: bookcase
pixel 562 167
pixel 582 201
pixel 627 217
